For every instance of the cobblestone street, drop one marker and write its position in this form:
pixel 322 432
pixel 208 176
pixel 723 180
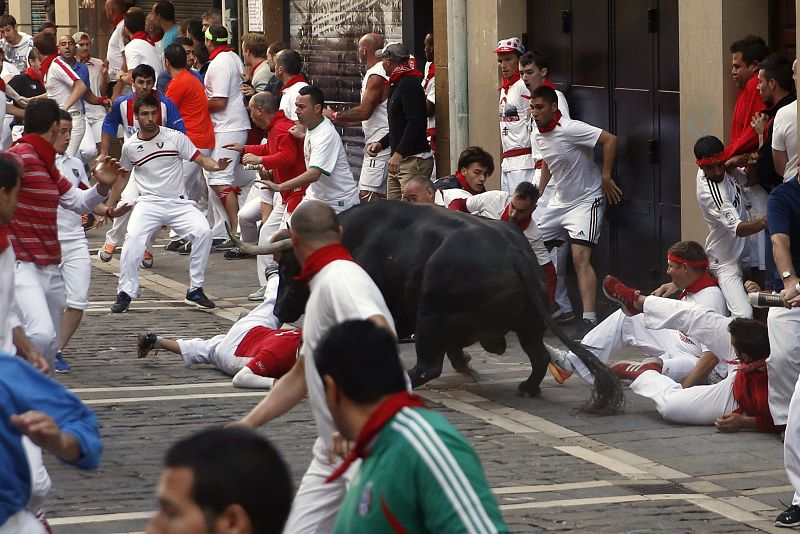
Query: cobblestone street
pixel 552 467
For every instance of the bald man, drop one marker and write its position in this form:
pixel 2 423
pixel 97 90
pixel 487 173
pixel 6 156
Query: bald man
pixel 115 12
pixel 372 114
pixel 340 291
pixel 419 190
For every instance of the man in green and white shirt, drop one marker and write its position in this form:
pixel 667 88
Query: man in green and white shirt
pixel 418 473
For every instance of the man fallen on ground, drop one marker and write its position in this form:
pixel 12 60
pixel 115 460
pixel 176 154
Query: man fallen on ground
pixel 255 351
pixel 403 483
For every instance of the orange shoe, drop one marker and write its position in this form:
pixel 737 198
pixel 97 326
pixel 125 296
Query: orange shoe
pixel 107 252
pixel 558 363
pixel 147 260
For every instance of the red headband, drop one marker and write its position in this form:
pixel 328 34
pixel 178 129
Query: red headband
pixel 716 159
pixel 690 263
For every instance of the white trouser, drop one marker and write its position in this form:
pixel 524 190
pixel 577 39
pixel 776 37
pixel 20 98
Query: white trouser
pixel 146 218
pixel 250 216
pixel 697 405
pixel 558 255
pixel 88 147
pixel 316 503
pixel 276 221
pixel 233 175
pixel 731 282
pixel 791 440
pixel 78 129
pixel 76 271
pixel 23 522
pixel 9 318
pixel 5 136
pixel 509 180
pixel 195 182
pixel 119 227
pixel 783 364
pixel 220 350
pixel 39 293
pixel 40 478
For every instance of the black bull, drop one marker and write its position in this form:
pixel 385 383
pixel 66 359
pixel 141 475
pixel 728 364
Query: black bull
pixel 452 280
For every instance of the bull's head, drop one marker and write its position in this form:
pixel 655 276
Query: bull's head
pixel 292 293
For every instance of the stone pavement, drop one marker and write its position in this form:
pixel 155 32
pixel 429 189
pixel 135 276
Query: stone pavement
pixel 552 467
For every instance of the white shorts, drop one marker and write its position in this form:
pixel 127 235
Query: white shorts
pixel 581 222
pixel 76 270
pixel 374 172
pixel 228 176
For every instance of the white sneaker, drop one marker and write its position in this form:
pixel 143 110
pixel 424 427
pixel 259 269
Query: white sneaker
pixel 258 295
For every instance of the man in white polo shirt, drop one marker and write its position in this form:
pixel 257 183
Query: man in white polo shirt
pixel 575 212
pixel 63 85
pixel 340 291
pixel 288 64
pixel 115 13
pixel 141 48
pixel 223 82
pixel 328 177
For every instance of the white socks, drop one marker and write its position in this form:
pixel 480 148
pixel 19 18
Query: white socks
pixel 246 378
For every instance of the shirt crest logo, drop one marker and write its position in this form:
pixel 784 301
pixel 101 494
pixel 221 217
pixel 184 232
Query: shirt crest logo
pixel 139 148
pixel 365 502
pixel 160 144
pixel 76 173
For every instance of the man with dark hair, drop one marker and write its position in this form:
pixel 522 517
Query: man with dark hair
pixel 39 286
pixel 163 14
pixel 401 444
pixel 141 49
pixel 784 137
pixel 671 351
pixel 223 480
pixel 157 155
pixel 194 31
pixel 407 119
pixel 580 189
pixel 16 45
pixel 288 70
pixel 747 55
pixel 254 55
pixel 328 175
pixel 164 79
pixel 340 290
pixel 275 84
pixel 475 165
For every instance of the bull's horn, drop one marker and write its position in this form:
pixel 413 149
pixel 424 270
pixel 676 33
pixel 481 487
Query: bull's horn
pixel 254 250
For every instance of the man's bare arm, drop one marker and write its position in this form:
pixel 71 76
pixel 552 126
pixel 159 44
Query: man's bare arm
pixel 699 375
pixel 285 395
pixel 375 93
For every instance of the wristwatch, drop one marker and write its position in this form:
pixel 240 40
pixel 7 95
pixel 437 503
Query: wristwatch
pixel 786 274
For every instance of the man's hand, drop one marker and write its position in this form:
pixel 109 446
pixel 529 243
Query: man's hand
pixel 790 296
pixel 736 161
pixel 612 191
pixel 236 147
pixel 394 162
pixel 222 164
pixel 107 171
pixel 665 290
pixel 40 428
pixel 328 113
pixel 104 68
pixel 35 358
pixel 247 89
pixel 120 210
pixel 298 131
pixel 374 148
pixel 125 77
pixel 751 287
pixel 22 102
pixel 272 186
pixel 339 447
pixel 730 422
pixel 265 174
pixel 759 123
pixel 251 159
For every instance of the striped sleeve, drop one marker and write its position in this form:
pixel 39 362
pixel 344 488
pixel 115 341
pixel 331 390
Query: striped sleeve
pixel 65 70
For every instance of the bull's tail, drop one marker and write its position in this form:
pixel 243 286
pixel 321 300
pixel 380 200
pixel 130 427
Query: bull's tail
pixel 607 396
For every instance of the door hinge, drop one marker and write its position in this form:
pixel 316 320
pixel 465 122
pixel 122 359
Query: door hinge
pixel 566 21
pixel 652 21
pixel 652 150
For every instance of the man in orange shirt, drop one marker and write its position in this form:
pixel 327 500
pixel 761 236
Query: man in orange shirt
pixel 189 95
pixel 747 55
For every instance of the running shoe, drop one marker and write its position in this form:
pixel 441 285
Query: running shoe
pixel 235 254
pixel 258 295
pixel 185 248
pixel 789 518
pixel 227 244
pixel 61 366
pixel 559 364
pixel 196 297
pixel 174 245
pixel 630 370
pixel 145 342
pixel 623 295
pixel 147 260
pixel 107 252
pixel 122 303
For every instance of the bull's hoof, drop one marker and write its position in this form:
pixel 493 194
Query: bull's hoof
pixel 461 364
pixel 526 389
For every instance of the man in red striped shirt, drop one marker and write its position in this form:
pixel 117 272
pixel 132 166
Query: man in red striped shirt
pixel 38 284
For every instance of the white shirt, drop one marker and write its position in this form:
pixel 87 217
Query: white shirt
pixel 563 107
pixel 323 150
pixel 377 125
pixel 70 224
pixel 114 53
pixel 224 80
pixel 429 87
pixel 94 112
pixel 492 205
pixel 443 197
pixel 513 116
pixel 158 164
pixel 341 291
pixel 712 299
pixel 784 137
pixel 288 99
pixel 18 53
pixel 568 151
pixel 723 208
pixel 9 316
pixel 139 51
pixel 58 82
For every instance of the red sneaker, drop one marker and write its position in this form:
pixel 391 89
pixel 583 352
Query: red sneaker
pixel 621 294
pixel 629 370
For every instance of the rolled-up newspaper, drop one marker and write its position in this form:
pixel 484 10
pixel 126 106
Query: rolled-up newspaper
pixel 763 299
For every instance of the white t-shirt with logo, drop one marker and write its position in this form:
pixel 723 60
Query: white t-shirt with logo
pixel 58 82
pixel 514 134
pixel 323 150
pixel 723 208
pixel 784 137
pixel 377 125
pixel 70 223
pixel 568 151
pixel 158 164
pixel 224 80
pixel 289 98
pixel 139 51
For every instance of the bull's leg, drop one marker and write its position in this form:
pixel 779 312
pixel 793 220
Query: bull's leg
pixel 430 354
pixel 533 345
pixel 460 359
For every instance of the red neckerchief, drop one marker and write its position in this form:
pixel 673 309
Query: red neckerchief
pixel 522 226
pixel 403 70
pixel 45 151
pixel 119 19
pixel 144 37
pixel 46 62
pixel 293 80
pixel 552 125
pixel 548 83
pixel 129 110
pixel 706 280
pixel 740 385
pixel 462 181
pixel 428 76
pixel 253 69
pixel 382 415
pixel 508 82
pixel 34 75
pixel 217 51
pixel 321 257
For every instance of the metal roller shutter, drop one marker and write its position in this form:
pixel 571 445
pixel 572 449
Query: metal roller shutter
pixel 326 33
pixel 184 9
pixel 38 14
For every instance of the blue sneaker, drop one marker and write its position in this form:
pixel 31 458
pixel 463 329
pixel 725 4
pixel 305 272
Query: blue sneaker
pixel 61 365
pixel 196 297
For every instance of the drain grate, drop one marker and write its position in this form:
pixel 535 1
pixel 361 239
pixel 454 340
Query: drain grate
pixel 655 489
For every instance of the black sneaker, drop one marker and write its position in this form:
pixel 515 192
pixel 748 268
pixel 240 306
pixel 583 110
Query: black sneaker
pixel 145 342
pixel 174 245
pixel 565 318
pixel 583 327
pixel 196 297
pixel 227 244
pixel 122 303
pixel 789 518
pixel 185 248
pixel 235 254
